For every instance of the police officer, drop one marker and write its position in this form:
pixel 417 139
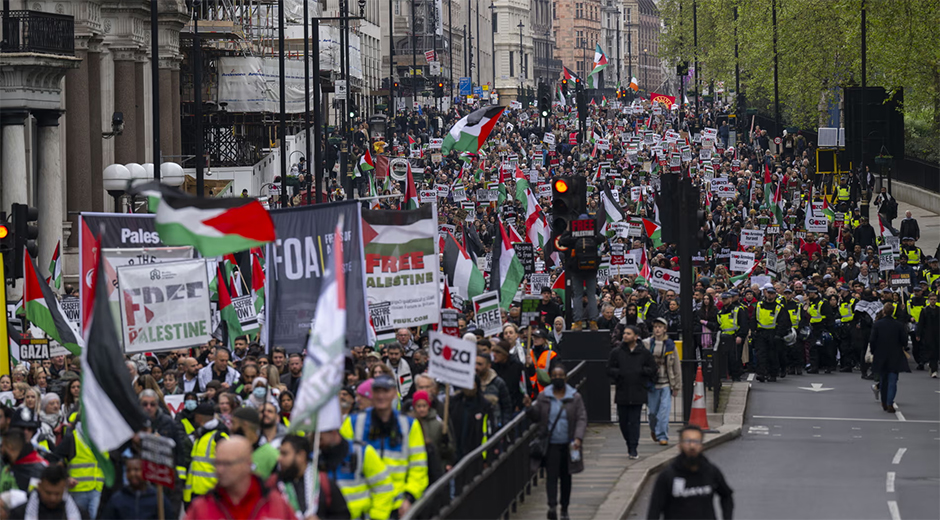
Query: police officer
pixel 844 195
pixel 821 347
pixel 916 304
pixel 772 323
pixel 910 253
pixel 83 468
pixel 932 273
pixel 201 479
pixel 397 438
pixel 794 350
pixel 732 322
pixel 844 328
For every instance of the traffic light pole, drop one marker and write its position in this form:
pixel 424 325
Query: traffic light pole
pixel 686 234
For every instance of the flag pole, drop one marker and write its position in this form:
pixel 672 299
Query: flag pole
pixel 160 513
pixel 446 408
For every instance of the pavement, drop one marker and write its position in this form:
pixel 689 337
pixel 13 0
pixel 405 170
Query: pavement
pixel 928 221
pixel 821 446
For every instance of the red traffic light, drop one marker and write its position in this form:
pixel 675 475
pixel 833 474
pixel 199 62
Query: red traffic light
pixel 4 232
pixel 440 85
pixel 561 186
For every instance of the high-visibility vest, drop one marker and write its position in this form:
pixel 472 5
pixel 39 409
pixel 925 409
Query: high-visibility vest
pixel 913 256
pixel 406 458
pixel 728 321
pixel 844 193
pixel 84 467
pixel 201 477
pixel 767 318
pixel 931 278
pixel 847 310
pixel 544 359
pixel 794 312
pixel 188 426
pixel 365 482
pixel 642 311
pixel 915 310
pixel 815 312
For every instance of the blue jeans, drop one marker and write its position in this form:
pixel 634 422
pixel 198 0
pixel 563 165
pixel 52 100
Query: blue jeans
pixel 889 388
pixel 87 501
pixel 658 406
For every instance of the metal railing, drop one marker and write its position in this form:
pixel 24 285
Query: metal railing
pixel 492 479
pixel 38 32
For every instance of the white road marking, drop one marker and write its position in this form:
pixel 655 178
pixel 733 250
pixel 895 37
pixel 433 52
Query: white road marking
pixel 856 436
pixel 817 435
pixel 889 482
pixel 751 376
pixel 817 427
pixel 893 508
pixel 814 387
pixel 849 419
pixel 898 455
pixel 898 414
pixel 854 428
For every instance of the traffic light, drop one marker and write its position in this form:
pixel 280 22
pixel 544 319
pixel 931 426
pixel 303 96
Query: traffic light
pixel 568 202
pixel 352 110
pixel 564 87
pixel 6 246
pixel 24 236
pixel 439 89
pixel 582 105
pixel 545 102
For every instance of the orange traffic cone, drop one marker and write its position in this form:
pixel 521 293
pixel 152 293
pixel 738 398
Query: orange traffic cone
pixel 699 416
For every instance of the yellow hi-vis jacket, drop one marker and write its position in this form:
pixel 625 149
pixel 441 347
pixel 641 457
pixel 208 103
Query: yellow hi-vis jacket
pixel 405 457
pixel 201 479
pixel 365 482
pixel 84 467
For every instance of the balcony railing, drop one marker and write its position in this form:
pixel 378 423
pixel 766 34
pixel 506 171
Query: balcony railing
pixel 35 31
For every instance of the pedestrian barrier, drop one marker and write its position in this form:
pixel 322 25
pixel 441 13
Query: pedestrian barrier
pixel 493 479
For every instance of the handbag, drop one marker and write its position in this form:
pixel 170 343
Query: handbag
pixel 538 447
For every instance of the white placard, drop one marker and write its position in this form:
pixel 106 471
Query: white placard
pixel 886 255
pixel 665 279
pixel 164 306
pixel 549 138
pixel 427 196
pixel 435 143
pixel 752 237
pixel 247 316
pixel 741 262
pixel 816 224
pixel 452 360
pixel 537 281
pixel 486 310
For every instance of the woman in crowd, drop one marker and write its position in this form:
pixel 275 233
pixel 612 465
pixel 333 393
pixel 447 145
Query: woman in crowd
pixel 440 446
pixel 72 399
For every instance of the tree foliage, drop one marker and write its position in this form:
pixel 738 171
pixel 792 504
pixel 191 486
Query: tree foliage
pixel 819 51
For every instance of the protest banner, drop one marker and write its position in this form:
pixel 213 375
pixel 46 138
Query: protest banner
pixel 741 262
pixel 529 311
pixel 164 306
pixel 295 265
pixel 247 316
pixel 452 360
pixel 537 281
pixel 886 255
pixel 752 237
pixel 816 224
pixel 427 196
pixel 665 279
pixel 402 265
pixel 525 252
pixel 901 280
pixel 486 310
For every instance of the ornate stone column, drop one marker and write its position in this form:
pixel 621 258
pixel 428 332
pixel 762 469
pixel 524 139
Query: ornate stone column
pixel 49 188
pixel 172 18
pixel 125 101
pixel 140 83
pixel 13 174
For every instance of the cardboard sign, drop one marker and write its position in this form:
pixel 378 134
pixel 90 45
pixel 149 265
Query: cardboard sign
pixel 247 315
pixel 549 138
pixel 157 456
pixel 525 252
pixel 900 280
pixel 582 228
pixel 487 316
pixel 442 190
pixel 537 281
pixel 665 279
pixel 752 237
pixel 452 360
pixel 545 190
pixel 886 255
pixel 460 194
pixel 436 143
pixel 741 262
pixel 427 196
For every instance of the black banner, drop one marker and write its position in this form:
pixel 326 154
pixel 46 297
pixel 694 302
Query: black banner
pixel 525 252
pixel 295 264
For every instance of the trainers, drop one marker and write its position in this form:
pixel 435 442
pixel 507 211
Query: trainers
pixel 874 390
pixel 633 456
pixel 564 514
pixel 933 374
pixel 593 325
pixel 664 442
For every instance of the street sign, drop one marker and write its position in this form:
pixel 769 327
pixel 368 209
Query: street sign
pixel 477 91
pixel 340 93
pixel 435 68
pixel 464 85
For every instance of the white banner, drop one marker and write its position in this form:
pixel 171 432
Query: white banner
pixel 486 311
pixel 752 237
pixel 247 316
pixel 537 281
pixel 665 279
pixel 402 265
pixel 816 224
pixel 886 256
pixel 164 306
pixel 741 262
pixel 452 360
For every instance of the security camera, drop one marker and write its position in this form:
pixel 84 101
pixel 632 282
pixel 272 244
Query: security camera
pixel 117 125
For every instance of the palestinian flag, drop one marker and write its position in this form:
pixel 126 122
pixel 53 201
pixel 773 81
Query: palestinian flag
pixel 507 271
pixel 634 85
pixel 323 365
pixel 522 186
pixel 43 310
pixel 366 164
pixel 411 192
pixel 257 279
pixel 469 134
pixel 570 75
pixel 654 232
pixel 55 267
pixel 827 211
pixel 536 226
pixel 14 346
pixel 228 312
pixel 559 286
pixel 600 63
pixel 603 100
pixel 110 413
pixel 213 226
pixel 778 203
pixel 461 271
pixel 230 268
pixel 610 209
pixel 561 96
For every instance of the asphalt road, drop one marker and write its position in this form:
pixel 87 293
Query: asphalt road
pixel 833 454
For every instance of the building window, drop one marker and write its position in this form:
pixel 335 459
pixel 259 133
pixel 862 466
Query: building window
pixel 525 66
pixel 629 16
pixel 512 69
pixel 495 21
pixel 579 10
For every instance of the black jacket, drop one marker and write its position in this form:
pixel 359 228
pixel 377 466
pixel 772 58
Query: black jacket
pixel 910 228
pixel 470 417
pixel 127 504
pixel 511 372
pixel 632 372
pixel 682 493
pixel 887 342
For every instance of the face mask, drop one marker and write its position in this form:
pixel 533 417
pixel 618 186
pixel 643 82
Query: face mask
pixel 190 405
pixel 259 392
pixel 558 383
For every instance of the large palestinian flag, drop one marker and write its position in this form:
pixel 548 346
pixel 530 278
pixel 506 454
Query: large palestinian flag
pixel 214 227
pixel 600 63
pixel 461 271
pixel 469 134
pixel 110 413
pixel 43 310
pixel 506 271
pixel 227 311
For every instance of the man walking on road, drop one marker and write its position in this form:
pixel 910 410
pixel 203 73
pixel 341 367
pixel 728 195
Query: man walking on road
pixel 633 370
pixel 687 487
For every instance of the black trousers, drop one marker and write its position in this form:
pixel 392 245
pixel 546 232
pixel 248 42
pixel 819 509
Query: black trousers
pixel 556 468
pixel 847 355
pixel 821 356
pixel 765 343
pixel 630 425
pixel 732 351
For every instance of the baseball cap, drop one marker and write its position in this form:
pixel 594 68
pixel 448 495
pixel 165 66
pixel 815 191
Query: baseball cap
pixel 249 415
pixel 661 320
pixel 787 290
pixel 768 287
pixel 540 333
pixel 205 408
pixel 383 382
pixel 375 355
pixel 725 295
pixel 811 289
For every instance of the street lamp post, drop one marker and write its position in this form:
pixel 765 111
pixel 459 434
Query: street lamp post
pixel 197 100
pixel 619 55
pixel 414 57
pixel 521 62
pixel 391 62
pixel 493 42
